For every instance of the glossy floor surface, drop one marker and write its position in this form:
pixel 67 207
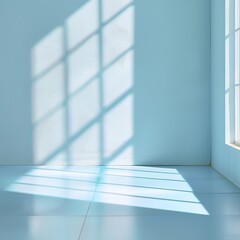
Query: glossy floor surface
pixel 117 202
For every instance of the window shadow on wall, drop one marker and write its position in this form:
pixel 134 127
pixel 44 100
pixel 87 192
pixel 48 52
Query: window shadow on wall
pixel 105 82
pixel 83 87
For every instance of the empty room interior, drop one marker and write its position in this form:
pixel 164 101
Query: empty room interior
pixel 120 119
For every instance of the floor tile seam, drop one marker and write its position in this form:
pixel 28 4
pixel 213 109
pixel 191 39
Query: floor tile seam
pixel 90 202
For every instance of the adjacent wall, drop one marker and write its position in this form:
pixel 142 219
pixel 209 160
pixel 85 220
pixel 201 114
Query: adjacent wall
pixel 158 110
pixel 225 158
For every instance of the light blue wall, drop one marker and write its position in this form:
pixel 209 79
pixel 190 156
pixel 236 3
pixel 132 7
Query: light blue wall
pixel 171 120
pixel 225 158
pixel 173 82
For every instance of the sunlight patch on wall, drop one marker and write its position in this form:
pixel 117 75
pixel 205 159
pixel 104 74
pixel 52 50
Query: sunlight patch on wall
pixel 83 87
pixel 82 23
pixel 126 157
pixel 85 149
pixel 111 8
pixel 58 159
pixel 118 35
pixel 83 64
pixel 48 51
pixel 118 126
pixel 48 93
pixel 118 79
pixel 49 135
pixel 83 107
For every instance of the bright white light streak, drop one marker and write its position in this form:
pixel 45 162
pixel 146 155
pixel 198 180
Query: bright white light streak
pixel 237 114
pixel 80 176
pixel 146 182
pixel 237 14
pixel 227 64
pixel 51 191
pixel 167 205
pixel 227 119
pixel 78 169
pixel 145 169
pixel 147 192
pixel 142 174
pixel 237 55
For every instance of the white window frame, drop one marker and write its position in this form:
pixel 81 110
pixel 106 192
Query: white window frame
pixel 232 72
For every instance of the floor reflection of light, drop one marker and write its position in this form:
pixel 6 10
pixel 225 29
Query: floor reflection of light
pixel 154 190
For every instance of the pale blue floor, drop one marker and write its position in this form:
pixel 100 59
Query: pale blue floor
pixel 117 202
